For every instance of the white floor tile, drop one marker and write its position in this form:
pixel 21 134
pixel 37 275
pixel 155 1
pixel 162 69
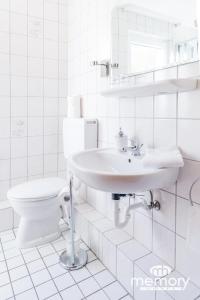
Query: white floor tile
pixel 1 256
pixel 46 290
pixel 3 267
pixel 98 296
pixel 36 266
pixel 91 256
pixel 31 256
pixel 51 259
pixel 128 297
pixel 104 278
pixel 80 274
pixel 95 267
pixel 10 253
pixel 46 250
pixel 40 277
pixel 72 293
pixel 7 236
pixel 61 245
pixel 28 295
pixel 15 262
pixel 64 281
pixel 55 297
pixel 4 278
pixel 56 270
pixel 22 285
pixel 9 245
pixel 115 291
pixel 88 286
pixel 18 273
pixel 6 292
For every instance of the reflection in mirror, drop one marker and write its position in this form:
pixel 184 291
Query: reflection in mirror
pixel 144 40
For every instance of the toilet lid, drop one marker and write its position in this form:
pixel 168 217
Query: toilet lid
pixel 36 190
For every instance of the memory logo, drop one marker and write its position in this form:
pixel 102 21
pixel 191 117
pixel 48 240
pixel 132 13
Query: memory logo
pixel 160 280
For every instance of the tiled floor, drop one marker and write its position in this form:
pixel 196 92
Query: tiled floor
pixel 33 274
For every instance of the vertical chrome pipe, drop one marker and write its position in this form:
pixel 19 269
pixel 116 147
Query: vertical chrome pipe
pixel 72 221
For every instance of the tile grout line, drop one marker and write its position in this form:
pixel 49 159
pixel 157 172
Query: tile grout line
pixel 7 269
pixel 29 274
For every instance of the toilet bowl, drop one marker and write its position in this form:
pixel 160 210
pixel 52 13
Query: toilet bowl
pixel 37 203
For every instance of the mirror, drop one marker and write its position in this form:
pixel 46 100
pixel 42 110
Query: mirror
pixel 153 36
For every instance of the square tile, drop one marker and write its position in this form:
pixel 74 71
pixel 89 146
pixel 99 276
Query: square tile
pixel 72 293
pixel 4 278
pixel 89 286
pixel 95 267
pixel 6 291
pixel 15 262
pixel 91 256
pixel 31 256
pixel 13 252
pixel 31 294
pixel 46 250
pixel 46 290
pixel 51 260
pixel 133 250
pixel 55 297
pixel 117 236
pixel 80 274
pixel 3 267
pixel 115 291
pixel 104 278
pixel 35 266
pixel 64 281
pixel 56 270
pixel 18 273
pixel 22 285
pixel 40 277
pixel 98 296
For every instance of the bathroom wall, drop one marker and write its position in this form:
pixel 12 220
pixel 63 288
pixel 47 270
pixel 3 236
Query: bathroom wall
pixel 158 121
pixel 33 90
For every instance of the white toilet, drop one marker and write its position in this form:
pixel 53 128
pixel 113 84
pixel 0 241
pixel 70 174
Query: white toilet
pixel 38 202
pixel 39 207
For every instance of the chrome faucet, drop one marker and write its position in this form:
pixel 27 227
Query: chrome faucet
pixel 135 149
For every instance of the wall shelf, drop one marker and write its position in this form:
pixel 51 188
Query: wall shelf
pixel 162 87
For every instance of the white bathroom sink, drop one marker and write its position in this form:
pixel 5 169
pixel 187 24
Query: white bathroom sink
pixel 112 171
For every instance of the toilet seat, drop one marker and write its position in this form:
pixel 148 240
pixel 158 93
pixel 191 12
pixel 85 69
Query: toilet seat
pixel 37 190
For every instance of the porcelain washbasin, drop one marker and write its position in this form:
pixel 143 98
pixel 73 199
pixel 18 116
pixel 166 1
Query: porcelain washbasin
pixel 112 171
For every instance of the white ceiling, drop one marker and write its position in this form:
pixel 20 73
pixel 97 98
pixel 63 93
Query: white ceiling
pixel 183 10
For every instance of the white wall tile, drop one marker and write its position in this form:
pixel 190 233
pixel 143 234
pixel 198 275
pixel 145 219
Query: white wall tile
pixel 125 271
pixel 168 127
pixel 166 215
pixel 189 70
pixel 143 230
pixel 164 243
pixel 165 106
pixel 187 141
pixel 187 261
pixel 144 107
pixel 6 216
pixel 109 255
pixel 188 174
pixel 188 105
pixel 18 167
